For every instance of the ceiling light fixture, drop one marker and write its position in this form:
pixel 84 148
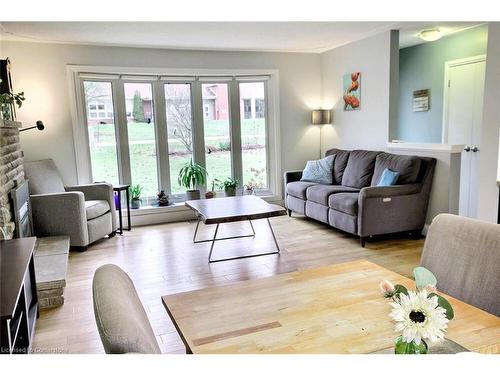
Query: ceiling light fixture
pixel 430 35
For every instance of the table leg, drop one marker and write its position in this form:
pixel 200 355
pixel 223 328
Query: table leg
pixel 128 210
pixel 210 260
pixel 120 220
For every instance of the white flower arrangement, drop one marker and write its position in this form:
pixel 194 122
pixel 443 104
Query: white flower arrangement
pixel 418 315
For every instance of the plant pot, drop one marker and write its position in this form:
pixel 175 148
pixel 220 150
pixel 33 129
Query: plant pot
pixel 230 192
pixel 209 194
pixel 135 203
pixel 192 195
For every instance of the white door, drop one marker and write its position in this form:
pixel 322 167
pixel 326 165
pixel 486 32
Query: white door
pixel 463 109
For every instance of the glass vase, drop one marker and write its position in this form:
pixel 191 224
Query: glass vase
pixel 403 347
pixel 6 112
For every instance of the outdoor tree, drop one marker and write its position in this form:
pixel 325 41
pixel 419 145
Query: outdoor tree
pixel 138 109
pixel 179 114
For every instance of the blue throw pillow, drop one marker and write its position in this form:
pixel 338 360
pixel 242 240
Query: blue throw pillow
pixel 388 178
pixel 319 171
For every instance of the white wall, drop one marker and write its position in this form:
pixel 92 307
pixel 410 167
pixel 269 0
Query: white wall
pixel 488 190
pixel 367 128
pixel 39 69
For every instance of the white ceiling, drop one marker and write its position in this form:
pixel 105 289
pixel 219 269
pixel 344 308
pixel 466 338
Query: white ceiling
pixel 313 37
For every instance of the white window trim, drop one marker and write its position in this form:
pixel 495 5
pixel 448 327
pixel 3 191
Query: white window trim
pixel 78 117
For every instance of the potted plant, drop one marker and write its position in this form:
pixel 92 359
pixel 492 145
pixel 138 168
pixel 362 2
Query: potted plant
pixel 7 100
pixel 211 193
pixel 191 176
pixel 229 185
pixel 135 196
pixel 162 198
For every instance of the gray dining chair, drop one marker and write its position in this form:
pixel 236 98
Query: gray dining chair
pixel 464 255
pixel 121 319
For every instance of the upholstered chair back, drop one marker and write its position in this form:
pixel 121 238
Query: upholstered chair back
pixel 121 320
pixel 43 177
pixel 464 254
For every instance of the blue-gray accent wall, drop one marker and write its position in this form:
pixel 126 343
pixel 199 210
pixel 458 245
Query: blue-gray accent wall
pixel 422 67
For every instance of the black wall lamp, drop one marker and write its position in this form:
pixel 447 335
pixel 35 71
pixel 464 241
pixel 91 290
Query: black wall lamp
pixel 39 125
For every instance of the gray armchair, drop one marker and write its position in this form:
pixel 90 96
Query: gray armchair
pixel 86 213
pixel 120 317
pixel 464 254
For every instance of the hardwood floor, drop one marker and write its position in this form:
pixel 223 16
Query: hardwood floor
pixel 161 259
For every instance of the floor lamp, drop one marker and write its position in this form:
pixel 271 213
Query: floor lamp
pixel 321 117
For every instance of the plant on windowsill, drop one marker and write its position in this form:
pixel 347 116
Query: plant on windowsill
pixel 418 315
pixel 191 176
pixel 162 198
pixel 211 194
pixel 229 185
pixel 7 100
pixel 135 196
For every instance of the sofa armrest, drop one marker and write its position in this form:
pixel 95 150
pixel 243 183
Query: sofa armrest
pixel 98 191
pixel 390 209
pixel 291 176
pixel 388 191
pixel 60 214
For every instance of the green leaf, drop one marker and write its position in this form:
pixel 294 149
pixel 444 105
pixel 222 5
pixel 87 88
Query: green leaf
pixel 443 302
pixel 424 277
pixel 400 289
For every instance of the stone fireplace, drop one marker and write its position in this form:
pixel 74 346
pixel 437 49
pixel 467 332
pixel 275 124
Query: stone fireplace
pixel 11 172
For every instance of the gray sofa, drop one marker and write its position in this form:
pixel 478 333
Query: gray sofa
pixel 85 213
pixel 354 204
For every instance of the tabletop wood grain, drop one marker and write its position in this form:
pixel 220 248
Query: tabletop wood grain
pixel 231 209
pixel 331 309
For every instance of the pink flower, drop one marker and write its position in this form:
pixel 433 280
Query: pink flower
pixel 430 288
pixel 387 289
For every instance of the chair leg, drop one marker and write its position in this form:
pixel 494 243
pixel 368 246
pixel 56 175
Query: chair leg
pixel 362 241
pixel 80 249
pixel 289 212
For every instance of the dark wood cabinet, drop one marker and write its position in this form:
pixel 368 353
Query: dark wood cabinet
pixel 18 302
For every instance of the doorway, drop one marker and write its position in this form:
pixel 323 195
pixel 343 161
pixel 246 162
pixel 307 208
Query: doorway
pixel 462 122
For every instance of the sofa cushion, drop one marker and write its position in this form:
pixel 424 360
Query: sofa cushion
pixel 298 188
pixel 43 177
pixel 319 171
pixel 344 202
pixel 359 170
pixel 320 193
pixel 96 208
pixel 341 158
pixel 407 166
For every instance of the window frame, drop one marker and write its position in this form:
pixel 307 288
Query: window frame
pixel 159 77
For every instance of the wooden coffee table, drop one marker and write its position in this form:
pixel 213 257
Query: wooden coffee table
pixel 331 309
pixel 231 209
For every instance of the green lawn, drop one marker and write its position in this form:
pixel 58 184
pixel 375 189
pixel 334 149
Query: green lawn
pixel 142 131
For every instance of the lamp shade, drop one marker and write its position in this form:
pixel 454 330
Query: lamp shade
pixel 321 117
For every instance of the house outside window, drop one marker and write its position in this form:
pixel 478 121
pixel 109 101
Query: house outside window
pixel 260 108
pixel 247 108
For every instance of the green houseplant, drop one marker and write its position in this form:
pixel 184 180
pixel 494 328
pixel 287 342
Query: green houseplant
pixel 211 193
pixel 229 185
pixel 135 196
pixel 7 101
pixel 191 176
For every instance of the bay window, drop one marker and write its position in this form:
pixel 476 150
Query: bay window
pixel 142 129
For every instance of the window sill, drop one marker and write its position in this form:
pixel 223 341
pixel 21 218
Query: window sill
pixel 180 207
